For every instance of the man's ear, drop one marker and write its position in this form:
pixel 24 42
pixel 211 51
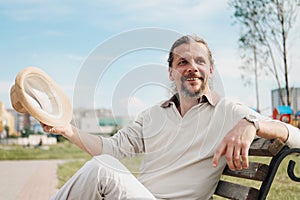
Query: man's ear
pixel 171 74
pixel 211 70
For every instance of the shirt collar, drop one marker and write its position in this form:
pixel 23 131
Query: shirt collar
pixel 212 98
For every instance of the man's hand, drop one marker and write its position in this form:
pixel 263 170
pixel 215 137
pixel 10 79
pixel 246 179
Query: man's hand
pixel 92 144
pixel 235 146
pixel 65 131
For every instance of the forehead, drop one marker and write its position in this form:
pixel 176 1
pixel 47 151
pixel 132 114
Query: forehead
pixel 192 49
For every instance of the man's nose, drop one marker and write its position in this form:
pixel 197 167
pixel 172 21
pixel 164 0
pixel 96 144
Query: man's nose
pixel 193 67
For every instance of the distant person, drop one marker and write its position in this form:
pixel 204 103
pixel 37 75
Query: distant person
pixel 187 140
pixel 39 144
pixel 6 128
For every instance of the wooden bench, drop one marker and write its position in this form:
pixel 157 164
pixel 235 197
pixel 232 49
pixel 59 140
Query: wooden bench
pixel 264 173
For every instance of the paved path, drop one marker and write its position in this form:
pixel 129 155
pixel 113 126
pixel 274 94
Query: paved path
pixel 28 180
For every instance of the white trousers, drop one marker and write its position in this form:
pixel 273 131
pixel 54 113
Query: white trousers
pixel 103 177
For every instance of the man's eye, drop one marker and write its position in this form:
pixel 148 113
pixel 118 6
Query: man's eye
pixel 182 62
pixel 201 61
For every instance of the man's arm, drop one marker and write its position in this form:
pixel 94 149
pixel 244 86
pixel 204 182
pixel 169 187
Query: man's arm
pixel 91 144
pixel 236 143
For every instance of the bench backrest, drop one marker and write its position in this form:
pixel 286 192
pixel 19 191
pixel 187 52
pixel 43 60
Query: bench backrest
pixel 264 173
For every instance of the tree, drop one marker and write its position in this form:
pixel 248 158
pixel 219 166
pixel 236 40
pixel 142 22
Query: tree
pixel 284 15
pixel 247 14
pixel 267 23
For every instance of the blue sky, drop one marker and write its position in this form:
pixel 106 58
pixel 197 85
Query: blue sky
pixel 59 36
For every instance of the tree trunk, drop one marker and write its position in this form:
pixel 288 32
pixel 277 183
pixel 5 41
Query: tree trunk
pixel 286 77
pixel 281 18
pixel 256 79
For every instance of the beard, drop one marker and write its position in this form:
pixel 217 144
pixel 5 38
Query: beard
pixel 188 93
pixel 193 94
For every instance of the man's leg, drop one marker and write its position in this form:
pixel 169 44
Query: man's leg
pixel 103 177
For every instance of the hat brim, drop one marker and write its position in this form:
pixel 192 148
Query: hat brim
pixel 36 93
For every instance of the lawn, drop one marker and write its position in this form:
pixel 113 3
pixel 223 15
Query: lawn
pixel 64 150
pixel 282 188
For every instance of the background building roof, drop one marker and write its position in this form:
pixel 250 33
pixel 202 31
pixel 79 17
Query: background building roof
pixel 284 110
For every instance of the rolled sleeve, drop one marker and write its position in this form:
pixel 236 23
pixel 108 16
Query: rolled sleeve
pixel 293 140
pixel 127 142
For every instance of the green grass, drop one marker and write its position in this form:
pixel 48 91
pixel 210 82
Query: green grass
pixel 66 170
pixel 64 150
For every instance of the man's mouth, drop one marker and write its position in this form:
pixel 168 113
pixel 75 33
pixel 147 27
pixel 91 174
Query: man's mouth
pixel 193 78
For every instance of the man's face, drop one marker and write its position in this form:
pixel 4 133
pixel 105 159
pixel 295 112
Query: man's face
pixel 191 69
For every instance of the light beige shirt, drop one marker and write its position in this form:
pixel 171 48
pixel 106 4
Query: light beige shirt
pixel 178 151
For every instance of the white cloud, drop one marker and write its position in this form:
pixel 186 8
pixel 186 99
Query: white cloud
pixel 13 2
pixel 26 10
pixel 117 15
pixel 169 9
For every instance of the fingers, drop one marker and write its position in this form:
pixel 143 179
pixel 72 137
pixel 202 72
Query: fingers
pixel 48 129
pixel 234 159
pixel 235 146
pixel 218 154
pixel 245 157
pixel 229 156
pixel 232 151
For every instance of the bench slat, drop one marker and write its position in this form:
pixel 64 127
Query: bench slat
pixel 256 171
pixel 236 191
pixel 263 147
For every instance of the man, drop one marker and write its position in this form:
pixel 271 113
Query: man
pixel 183 139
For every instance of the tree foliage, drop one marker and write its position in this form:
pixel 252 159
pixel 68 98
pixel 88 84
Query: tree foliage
pixel 265 27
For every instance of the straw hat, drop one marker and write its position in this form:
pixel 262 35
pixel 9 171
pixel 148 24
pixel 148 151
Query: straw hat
pixel 34 92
